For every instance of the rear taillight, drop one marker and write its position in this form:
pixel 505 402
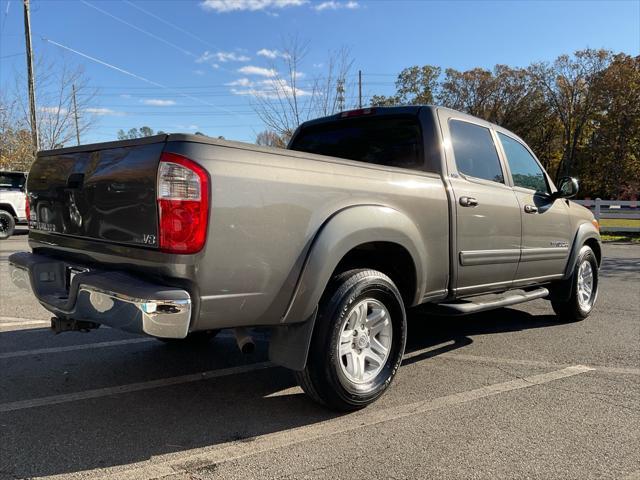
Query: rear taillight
pixel 183 204
pixel 27 210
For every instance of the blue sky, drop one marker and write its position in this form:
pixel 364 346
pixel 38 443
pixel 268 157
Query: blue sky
pixel 198 48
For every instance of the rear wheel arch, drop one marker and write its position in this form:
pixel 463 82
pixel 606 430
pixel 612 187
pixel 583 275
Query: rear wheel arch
pixel 347 235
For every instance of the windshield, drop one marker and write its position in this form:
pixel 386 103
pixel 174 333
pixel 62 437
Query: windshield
pixel 12 180
pixel 393 141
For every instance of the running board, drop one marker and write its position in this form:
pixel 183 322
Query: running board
pixel 467 306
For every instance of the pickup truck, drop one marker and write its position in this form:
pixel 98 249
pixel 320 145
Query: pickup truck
pixel 326 243
pixel 12 202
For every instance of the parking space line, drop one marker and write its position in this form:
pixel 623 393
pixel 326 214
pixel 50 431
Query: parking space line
pixel 71 348
pixel 131 387
pixel 26 325
pixel 535 363
pixel 173 463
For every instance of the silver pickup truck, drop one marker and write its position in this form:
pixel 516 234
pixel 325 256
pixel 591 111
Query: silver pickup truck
pixel 327 243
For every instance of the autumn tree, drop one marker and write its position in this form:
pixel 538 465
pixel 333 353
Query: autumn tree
pixel 268 138
pixel 568 84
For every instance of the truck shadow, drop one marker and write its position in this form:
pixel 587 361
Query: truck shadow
pixel 122 429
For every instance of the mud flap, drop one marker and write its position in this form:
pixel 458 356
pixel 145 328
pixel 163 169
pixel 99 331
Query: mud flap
pixel 289 344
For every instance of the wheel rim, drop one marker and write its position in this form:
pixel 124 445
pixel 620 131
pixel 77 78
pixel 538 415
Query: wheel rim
pixel 365 341
pixel 4 226
pixel 585 285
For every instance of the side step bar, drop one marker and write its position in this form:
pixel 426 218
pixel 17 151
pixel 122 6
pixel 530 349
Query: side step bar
pixel 467 306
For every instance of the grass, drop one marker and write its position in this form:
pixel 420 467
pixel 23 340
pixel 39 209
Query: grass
pixel 619 222
pixel 612 237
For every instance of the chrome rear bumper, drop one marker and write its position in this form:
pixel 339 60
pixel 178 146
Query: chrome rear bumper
pixel 106 297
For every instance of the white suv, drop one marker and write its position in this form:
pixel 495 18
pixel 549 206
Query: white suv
pixel 13 202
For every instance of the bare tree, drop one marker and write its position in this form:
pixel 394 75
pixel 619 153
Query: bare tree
pixel 55 112
pixel 286 98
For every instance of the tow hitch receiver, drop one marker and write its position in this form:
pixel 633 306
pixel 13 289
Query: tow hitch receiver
pixel 59 325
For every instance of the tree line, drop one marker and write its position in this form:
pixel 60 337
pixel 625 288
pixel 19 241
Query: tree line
pixel 579 113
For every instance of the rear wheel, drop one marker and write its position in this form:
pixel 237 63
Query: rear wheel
pixel 358 342
pixel 7 224
pixel 584 289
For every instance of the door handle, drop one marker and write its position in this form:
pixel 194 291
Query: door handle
pixel 468 202
pixel 530 209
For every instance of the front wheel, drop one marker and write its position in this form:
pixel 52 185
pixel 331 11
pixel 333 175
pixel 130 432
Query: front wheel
pixel 584 289
pixel 7 224
pixel 358 342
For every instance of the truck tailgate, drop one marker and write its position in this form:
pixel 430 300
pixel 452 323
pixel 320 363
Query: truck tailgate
pixel 105 193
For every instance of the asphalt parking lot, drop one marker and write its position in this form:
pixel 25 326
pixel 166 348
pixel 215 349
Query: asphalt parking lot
pixel 504 394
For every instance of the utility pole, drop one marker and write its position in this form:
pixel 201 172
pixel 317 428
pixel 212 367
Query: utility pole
pixel 340 94
pixel 359 88
pixel 75 111
pixel 32 92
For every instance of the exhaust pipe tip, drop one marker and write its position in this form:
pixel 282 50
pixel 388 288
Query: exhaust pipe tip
pixel 244 340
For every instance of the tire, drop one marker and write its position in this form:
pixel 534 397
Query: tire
pixel 7 224
pixel 193 338
pixel 581 299
pixel 358 341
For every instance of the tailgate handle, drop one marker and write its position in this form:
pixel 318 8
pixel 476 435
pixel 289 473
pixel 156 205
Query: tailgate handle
pixel 75 180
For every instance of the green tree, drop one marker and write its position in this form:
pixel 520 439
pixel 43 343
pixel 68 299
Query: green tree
pixel 135 133
pixel 414 86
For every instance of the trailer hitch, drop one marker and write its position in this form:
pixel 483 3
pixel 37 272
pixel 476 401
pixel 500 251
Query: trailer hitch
pixel 59 325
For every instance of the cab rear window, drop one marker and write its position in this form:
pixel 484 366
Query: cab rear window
pixel 396 141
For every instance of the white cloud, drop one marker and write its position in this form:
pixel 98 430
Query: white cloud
pixel 158 102
pixel 104 112
pixel 241 82
pixel 54 110
pixel 198 72
pixel 221 56
pixel 224 6
pixel 271 88
pixel 318 65
pixel 253 70
pixel 265 52
pixel 187 127
pixel 125 95
pixel 333 5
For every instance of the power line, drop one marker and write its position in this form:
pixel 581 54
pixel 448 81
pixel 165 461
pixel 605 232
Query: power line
pixel 173 25
pixel 12 55
pixel 126 72
pixel 131 25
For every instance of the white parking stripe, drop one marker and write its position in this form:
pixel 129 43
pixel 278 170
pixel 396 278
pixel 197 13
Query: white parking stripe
pixel 131 387
pixel 71 348
pixel 26 326
pixel 534 363
pixel 173 463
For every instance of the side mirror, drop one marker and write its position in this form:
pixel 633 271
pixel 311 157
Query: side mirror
pixel 567 187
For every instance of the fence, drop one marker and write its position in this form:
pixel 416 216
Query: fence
pixel 614 209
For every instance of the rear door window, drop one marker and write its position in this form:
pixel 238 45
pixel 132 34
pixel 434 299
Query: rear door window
pixel 392 141
pixel 474 151
pixel 525 170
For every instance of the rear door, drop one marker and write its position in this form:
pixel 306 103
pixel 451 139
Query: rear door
pixel 487 213
pixel 546 228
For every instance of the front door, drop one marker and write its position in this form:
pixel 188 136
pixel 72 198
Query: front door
pixel 546 231
pixel 488 223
